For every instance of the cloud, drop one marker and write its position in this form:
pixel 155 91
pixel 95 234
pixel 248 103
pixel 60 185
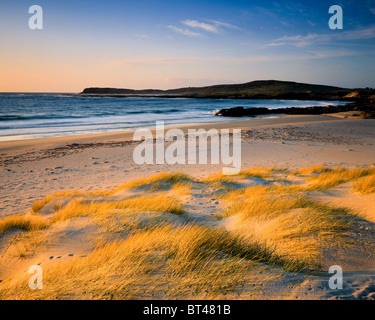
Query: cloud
pixel 162 61
pixel 224 24
pixel 185 32
pixel 298 41
pixel 363 34
pixel 201 25
pixel 372 10
pixel 310 39
pixel 212 26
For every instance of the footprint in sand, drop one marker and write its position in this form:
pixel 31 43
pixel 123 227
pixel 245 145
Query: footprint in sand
pixel 366 293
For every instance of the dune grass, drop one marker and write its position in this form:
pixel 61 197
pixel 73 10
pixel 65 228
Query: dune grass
pixel 314 169
pixel 39 204
pixel 27 222
pixel 153 183
pixel 290 223
pixel 149 249
pixel 81 207
pixel 335 177
pixel 156 182
pixel 365 185
pixel 260 172
pixel 167 262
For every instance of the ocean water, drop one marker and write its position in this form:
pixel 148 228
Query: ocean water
pixel 30 116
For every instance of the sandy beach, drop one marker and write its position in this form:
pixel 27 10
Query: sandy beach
pixel 34 169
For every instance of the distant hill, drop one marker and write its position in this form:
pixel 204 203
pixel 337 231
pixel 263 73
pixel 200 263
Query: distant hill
pixel 267 89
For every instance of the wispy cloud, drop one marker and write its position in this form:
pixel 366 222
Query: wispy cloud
pixel 372 10
pixel 201 25
pixel 224 24
pixel 211 26
pixel 310 39
pixel 185 32
pixel 146 61
pixel 298 41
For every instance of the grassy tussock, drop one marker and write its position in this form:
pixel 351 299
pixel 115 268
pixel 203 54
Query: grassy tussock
pixel 168 262
pixel 27 244
pixel 80 207
pixel 38 205
pixel 336 177
pixel 260 172
pixel 365 185
pixel 312 169
pixel 156 182
pixel 298 234
pixel 292 224
pixel 182 188
pixel 28 222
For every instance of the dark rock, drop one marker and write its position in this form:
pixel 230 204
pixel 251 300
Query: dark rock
pixel 365 105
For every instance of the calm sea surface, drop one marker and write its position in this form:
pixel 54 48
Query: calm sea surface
pixel 29 116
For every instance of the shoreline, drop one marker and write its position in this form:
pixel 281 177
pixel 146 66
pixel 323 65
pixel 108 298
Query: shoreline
pixel 127 134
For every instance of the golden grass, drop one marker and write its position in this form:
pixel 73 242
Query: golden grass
pixel 260 172
pixel 335 177
pixel 80 207
pixel 27 244
pixel 28 222
pixel 291 224
pixel 312 169
pixel 39 204
pixel 155 182
pixel 168 262
pixel 365 185
pixel 182 188
pixel 161 256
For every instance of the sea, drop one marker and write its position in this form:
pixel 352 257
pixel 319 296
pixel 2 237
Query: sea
pixel 41 115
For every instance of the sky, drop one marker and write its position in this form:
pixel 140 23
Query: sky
pixel 171 44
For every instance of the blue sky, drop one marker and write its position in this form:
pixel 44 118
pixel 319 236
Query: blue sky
pixel 169 44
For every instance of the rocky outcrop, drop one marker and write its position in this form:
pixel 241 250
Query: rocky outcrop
pixel 367 106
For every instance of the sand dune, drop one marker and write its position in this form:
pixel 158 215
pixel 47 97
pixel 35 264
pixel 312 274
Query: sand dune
pixel 271 232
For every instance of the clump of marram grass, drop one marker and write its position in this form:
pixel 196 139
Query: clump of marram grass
pixel 336 177
pixel 365 185
pixel 80 207
pixel 314 169
pixel 26 222
pixel 27 244
pixel 167 262
pixel 156 182
pixel 260 172
pixel 39 204
pixel 292 224
pixel 182 188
